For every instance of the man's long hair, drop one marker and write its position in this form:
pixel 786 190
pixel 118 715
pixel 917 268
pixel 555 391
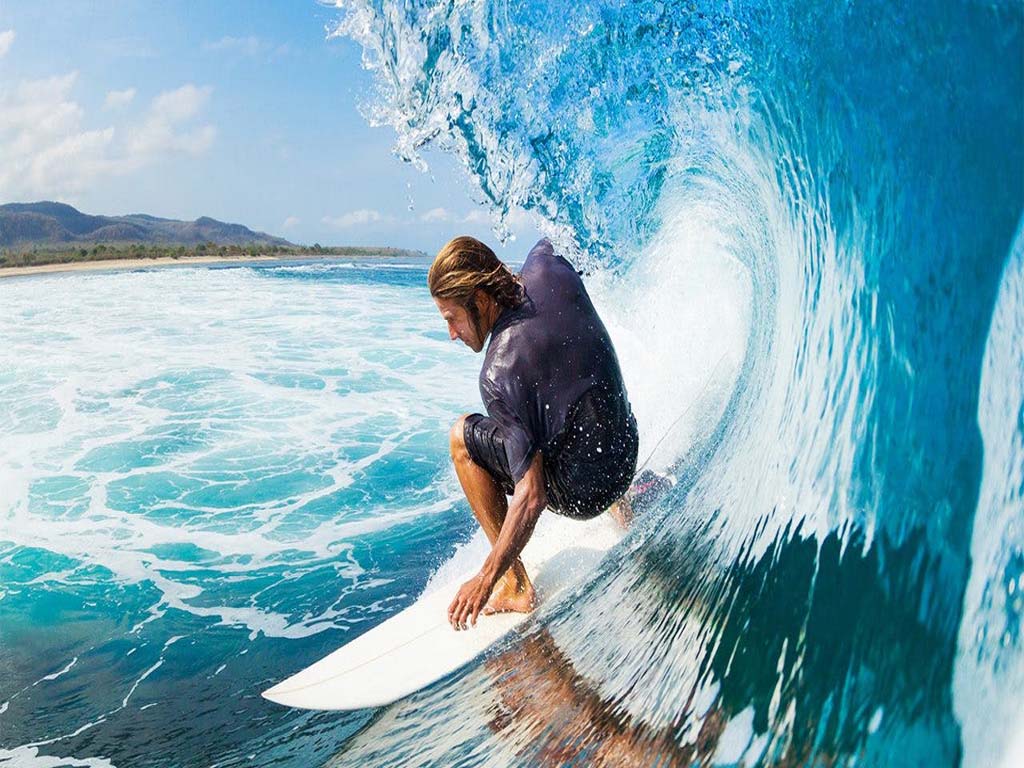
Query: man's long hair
pixel 464 266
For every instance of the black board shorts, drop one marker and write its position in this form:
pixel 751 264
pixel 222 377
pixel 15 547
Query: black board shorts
pixel 587 467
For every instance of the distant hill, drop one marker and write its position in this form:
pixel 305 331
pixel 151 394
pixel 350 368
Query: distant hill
pixel 49 224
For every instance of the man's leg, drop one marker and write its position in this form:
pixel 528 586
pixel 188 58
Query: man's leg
pixel 513 592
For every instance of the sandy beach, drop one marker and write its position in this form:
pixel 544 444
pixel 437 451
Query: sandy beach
pixel 90 266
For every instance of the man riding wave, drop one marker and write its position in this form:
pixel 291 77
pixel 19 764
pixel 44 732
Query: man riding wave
pixel 559 431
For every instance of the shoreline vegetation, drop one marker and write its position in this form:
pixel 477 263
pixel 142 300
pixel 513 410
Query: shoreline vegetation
pixel 39 260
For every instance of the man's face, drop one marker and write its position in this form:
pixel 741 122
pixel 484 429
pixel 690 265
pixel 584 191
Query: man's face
pixel 460 324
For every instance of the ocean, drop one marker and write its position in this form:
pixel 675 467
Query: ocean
pixel 802 224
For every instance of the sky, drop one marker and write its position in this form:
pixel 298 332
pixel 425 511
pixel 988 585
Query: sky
pixel 243 111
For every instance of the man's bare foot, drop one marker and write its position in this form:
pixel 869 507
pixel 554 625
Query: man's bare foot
pixel 622 513
pixel 505 599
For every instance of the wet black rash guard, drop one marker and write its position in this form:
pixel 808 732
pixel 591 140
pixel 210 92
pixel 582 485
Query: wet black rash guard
pixel 542 356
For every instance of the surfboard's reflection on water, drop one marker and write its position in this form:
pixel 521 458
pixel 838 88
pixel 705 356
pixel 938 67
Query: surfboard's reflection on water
pixel 557 718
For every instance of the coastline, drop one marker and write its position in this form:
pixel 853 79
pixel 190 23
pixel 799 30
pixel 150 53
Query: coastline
pixel 160 261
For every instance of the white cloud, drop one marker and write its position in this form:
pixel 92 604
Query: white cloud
pixel 352 219
pixel 47 150
pixel 44 149
pixel 516 220
pixel 158 134
pixel 291 222
pixel 478 216
pixel 118 99
pixel 249 46
pixel 436 214
pixel 6 38
pixel 519 220
pixel 181 103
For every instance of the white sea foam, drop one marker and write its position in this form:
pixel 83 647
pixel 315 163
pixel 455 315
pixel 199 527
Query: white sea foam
pixel 57 674
pixel 989 669
pixel 29 757
pixel 232 416
pixel 680 326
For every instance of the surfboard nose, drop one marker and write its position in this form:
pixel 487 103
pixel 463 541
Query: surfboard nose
pixel 418 647
pixel 273 694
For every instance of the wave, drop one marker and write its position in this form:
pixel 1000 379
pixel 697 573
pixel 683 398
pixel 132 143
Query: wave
pixel 825 197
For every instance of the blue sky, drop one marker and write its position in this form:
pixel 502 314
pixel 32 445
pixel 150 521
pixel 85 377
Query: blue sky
pixel 243 111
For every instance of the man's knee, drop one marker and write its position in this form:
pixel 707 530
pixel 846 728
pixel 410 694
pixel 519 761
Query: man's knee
pixel 457 439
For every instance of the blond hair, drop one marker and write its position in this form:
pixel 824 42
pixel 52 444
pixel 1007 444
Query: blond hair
pixel 464 266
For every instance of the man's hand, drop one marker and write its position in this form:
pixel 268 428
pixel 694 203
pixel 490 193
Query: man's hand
pixel 469 602
pixel 528 499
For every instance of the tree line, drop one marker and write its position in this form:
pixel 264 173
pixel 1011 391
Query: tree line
pixel 15 257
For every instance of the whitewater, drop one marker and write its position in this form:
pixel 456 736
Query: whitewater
pixel 802 224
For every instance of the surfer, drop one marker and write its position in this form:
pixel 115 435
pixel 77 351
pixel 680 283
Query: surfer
pixel 559 431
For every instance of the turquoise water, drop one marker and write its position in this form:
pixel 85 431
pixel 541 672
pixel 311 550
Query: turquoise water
pixel 210 477
pixel 802 223
pixel 215 476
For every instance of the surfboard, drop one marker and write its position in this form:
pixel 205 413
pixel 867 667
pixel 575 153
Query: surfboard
pixel 418 646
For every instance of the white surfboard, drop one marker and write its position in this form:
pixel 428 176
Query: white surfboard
pixel 418 646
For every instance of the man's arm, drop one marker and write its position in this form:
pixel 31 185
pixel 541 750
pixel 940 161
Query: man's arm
pixel 528 501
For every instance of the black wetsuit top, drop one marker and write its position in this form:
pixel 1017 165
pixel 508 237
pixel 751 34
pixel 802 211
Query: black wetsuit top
pixel 543 356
